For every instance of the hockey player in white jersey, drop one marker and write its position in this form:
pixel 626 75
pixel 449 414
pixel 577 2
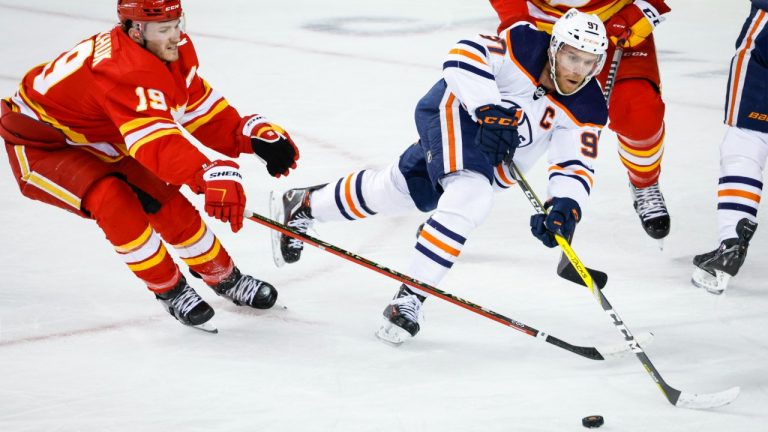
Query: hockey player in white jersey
pixel 517 96
pixel 743 154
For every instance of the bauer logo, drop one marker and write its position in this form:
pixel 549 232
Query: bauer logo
pixel 754 115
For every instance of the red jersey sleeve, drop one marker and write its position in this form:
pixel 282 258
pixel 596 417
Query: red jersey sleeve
pixel 210 119
pixel 509 12
pixel 207 114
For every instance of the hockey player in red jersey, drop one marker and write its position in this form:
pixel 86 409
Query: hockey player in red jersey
pixel 636 109
pixel 743 154
pixel 98 132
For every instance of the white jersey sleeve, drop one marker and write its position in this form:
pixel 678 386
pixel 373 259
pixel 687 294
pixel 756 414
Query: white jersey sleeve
pixel 470 72
pixel 571 155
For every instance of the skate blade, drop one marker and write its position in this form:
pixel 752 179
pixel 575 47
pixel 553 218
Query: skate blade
pixel 276 213
pixel 660 244
pixel 392 334
pixel 206 327
pixel 713 284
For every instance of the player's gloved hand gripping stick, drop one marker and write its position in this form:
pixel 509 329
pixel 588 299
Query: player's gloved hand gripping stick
pixel 674 396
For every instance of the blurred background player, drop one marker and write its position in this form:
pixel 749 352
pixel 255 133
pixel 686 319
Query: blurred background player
pixel 743 153
pixel 520 95
pixel 636 110
pixel 98 132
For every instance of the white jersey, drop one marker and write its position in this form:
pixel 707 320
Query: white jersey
pixel 505 71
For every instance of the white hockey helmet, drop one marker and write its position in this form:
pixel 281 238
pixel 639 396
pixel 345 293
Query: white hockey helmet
pixel 584 32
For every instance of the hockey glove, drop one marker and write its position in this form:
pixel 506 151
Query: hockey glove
pixel 271 143
pixel 224 196
pixel 635 21
pixel 497 136
pixel 561 219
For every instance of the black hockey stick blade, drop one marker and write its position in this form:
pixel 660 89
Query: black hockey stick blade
pixel 566 271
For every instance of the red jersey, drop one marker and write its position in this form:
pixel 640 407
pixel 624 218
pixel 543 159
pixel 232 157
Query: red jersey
pixel 545 12
pixel 112 97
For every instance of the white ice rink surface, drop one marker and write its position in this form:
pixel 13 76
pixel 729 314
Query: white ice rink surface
pixel 84 346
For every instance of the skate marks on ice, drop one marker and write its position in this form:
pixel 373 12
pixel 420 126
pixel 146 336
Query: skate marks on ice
pixel 382 26
pixel 103 328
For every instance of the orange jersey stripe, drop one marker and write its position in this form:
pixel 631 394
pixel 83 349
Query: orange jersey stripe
pixel 451 133
pixel 578 172
pixel 468 54
pixel 740 64
pixel 503 176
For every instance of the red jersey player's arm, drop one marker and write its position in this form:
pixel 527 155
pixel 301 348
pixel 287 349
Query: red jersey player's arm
pixel 214 122
pixel 510 11
pixel 151 135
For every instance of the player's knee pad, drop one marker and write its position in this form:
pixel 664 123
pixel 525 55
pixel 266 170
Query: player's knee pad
pixel 111 197
pixel 177 220
pixel 115 208
pixel 740 165
pixel 746 144
pixel 468 195
pixel 636 110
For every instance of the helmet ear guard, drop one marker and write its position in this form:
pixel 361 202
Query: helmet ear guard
pixel 584 32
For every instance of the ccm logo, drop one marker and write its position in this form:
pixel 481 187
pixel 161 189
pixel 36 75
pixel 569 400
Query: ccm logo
pixel 226 174
pixel 505 121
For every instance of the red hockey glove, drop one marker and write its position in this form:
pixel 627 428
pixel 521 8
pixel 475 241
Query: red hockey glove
pixel 224 195
pixel 271 143
pixel 635 21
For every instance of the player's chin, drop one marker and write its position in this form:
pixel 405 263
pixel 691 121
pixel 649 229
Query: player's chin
pixel 570 85
pixel 170 55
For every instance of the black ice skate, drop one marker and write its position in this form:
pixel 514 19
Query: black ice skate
pixel 245 290
pixel 402 316
pixel 714 269
pixel 184 304
pixel 652 210
pixel 294 211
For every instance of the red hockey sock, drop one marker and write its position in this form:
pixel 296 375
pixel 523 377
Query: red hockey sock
pixel 637 117
pixel 180 224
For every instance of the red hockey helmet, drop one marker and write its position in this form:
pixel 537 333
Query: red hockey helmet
pixel 148 10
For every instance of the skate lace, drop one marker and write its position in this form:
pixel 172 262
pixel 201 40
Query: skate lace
pixel 650 202
pixel 408 306
pixel 301 223
pixel 186 301
pixel 245 289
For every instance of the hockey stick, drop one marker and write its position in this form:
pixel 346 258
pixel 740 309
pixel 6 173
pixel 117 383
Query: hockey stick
pixel 564 268
pixel 674 396
pixel 592 353
pixel 610 80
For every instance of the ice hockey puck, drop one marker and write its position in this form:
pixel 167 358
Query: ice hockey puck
pixel 593 421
